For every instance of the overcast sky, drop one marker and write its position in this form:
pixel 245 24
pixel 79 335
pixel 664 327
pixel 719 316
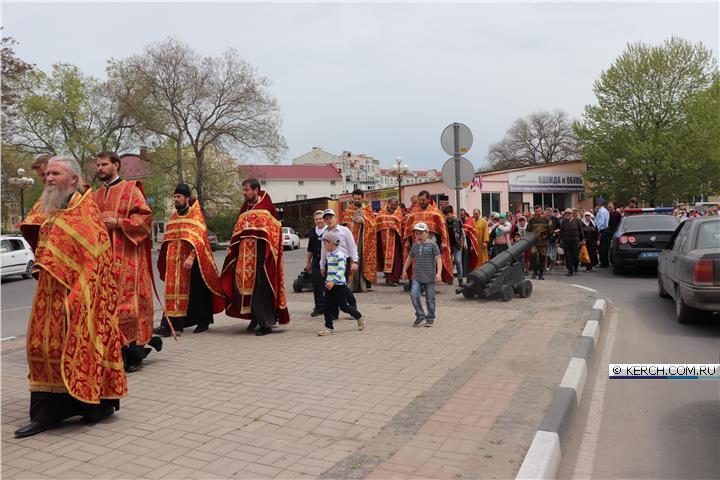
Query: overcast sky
pixel 380 79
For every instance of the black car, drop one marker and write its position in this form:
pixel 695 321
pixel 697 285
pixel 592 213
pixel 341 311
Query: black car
pixel 640 238
pixel 689 268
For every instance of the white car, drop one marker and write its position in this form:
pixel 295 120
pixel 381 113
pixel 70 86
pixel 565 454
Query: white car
pixel 17 257
pixel 291 240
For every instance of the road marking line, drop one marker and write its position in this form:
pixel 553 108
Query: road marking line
pixel 16 308
pixel 591 435
pixel 7 338
pixel 583 287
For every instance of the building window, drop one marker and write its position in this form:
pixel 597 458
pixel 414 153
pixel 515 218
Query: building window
pixel 300 197
pixel 561 201
pixel 490 202
pixel 300 183
pixel 263 182
pixel 332 183
pixel 333 196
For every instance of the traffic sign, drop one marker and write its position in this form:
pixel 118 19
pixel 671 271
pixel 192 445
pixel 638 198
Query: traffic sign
pixel 458 173
pixel 464 139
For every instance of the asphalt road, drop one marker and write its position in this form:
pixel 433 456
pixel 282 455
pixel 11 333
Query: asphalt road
pixel 17 294
pixel 646 428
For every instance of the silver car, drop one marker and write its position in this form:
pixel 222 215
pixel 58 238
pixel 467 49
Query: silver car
pixel 689 268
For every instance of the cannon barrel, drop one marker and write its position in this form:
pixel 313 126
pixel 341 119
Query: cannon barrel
pixel 481 276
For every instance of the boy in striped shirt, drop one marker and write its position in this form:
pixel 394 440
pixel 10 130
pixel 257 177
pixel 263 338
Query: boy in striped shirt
pixel 336 294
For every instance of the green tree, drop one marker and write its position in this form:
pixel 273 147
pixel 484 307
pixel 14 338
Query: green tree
pixel 631 139
pixel 66 112
pixel 209 104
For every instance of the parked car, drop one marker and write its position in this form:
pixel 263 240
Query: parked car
pixel 689 268
pixel 17 257
pixel 641 235
pixel 214 245
pixel 291 240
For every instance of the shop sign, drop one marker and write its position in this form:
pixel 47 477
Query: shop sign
pixel 546 182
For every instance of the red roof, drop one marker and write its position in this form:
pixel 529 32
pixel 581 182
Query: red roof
pixel 291 172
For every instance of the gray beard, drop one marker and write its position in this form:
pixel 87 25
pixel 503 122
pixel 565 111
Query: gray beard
pixel 53 198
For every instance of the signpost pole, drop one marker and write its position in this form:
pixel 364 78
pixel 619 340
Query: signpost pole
pixel 456 156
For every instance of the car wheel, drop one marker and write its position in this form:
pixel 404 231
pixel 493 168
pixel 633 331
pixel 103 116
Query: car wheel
pixel 683 313
pixel 28 270
pixel 661 290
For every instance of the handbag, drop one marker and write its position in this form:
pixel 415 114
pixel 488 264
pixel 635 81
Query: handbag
pixel 584 255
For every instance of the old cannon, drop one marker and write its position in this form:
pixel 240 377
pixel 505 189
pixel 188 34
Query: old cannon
pixel 501 276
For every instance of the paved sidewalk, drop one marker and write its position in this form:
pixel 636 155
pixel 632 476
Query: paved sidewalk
pixel 459 400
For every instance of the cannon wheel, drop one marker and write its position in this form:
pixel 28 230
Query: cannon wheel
pixel 525 288
pixel 297 285
pixel 468 293
pixel 506 294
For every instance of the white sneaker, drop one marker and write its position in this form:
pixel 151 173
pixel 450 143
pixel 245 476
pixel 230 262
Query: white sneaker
pixel 325 332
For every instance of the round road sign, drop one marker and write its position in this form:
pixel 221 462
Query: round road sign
pixel 465 139
pixel 464 168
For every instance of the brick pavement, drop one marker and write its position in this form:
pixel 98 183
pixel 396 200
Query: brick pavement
pixel 389 402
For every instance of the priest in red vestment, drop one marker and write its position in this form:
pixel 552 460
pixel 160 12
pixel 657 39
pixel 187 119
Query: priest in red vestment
pixel 128 219
pixel 389 225
pixel 187 266
pixel 361 221
pixel 252 275
pixel 428 213
pixel 73 339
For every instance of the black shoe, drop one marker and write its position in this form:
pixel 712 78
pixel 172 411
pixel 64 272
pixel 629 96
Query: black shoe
pixel 316 313
pixel 534 275
pixel 251 327
pixel 541 277
pixel 147 351
pixel 200 329
pixel 263 331
pixel 33 428
pixel 156 343
pixel 569 274
pixel 165 332
pixel 106 411
pixel 129 368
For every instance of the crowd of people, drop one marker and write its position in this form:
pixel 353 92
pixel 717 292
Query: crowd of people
pixel 91 321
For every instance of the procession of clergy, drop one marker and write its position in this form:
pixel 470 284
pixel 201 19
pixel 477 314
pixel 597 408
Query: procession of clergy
pixel 92 314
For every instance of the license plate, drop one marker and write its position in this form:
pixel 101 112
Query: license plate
pixel 649 254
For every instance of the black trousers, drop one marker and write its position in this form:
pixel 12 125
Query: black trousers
pixel 134 354
pixel 318 282
pixel 605 239
pixel 572 255
pixel 336 299
pixel 262 310
pixel 49 408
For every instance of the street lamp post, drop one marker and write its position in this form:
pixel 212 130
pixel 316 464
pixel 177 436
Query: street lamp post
pixel 400 170
pixel 22 182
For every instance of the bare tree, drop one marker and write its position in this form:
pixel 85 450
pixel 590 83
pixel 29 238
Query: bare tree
pixel 203 102
pixel 542 137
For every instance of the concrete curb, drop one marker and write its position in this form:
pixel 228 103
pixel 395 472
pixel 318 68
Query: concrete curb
pixel 542 460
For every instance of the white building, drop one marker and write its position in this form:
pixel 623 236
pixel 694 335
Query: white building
pixel 388 177
pixel 286 183
pixel 359 171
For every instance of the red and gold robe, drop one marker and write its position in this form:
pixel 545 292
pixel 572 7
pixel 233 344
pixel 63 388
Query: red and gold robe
pixel 73 341
pixel 132 247
pixel 257 223
pixel 389 228
pixel 473 248
pixel 367 245
pixel 183 234
pixel 436 223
